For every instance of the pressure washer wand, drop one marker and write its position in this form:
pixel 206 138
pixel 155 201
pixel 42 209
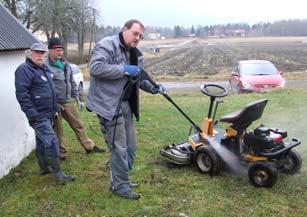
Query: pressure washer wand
pixel 182 112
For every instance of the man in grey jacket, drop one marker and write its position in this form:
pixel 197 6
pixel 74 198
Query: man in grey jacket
pixel 114 97
pixel 66 89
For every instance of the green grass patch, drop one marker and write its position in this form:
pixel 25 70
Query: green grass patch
pixel 166 190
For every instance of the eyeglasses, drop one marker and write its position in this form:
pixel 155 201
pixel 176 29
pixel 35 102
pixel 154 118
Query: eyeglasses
pixel 138 35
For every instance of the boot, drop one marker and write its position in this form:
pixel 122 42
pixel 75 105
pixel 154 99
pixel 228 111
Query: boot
pixel 43 166
pixel 58 173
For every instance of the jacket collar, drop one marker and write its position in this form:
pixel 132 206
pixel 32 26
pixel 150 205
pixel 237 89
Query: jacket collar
pixel 122 41
pixel 32 64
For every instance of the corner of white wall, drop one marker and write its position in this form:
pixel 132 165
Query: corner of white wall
pixel 17 138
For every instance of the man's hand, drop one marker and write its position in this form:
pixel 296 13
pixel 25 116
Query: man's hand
pixel 131 70
pixel 161 89
pixel 34 120
pixel 79 104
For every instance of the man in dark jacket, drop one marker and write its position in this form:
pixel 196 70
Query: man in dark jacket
pixel 114 97
pixel 66 90
pixel 35 93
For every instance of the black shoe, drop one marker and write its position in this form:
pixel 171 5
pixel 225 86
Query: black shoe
pixel 62 177
pixel 43 164
pixel 95 149
pixel 59 175
pixel 129 195
pixel 134 185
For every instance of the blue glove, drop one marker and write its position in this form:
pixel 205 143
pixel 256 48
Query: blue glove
pixel 131 70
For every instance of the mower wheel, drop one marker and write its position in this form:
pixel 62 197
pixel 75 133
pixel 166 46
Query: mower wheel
pixel 207 161
pixel 261 174
pixel 293 163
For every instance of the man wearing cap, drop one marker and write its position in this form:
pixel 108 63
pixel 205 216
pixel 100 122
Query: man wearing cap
pixel 35 93
pixel 66 89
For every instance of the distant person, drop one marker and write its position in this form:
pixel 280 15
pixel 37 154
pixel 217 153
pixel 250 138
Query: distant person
pixel 66 90
pixel 114 97
pixel 35 93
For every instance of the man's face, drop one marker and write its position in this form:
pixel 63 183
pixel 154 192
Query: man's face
pixel 133 35
pixel 37 57
pixel 56 54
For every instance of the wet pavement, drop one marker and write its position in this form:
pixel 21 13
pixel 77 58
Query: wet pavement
pixel 194 85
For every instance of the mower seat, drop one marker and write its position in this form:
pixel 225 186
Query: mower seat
pixel 245 116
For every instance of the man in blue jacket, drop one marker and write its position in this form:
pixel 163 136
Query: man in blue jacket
pixel 114 97
pixel 35 93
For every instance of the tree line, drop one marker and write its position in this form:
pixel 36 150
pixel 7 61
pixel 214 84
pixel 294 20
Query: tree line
pixel 295 27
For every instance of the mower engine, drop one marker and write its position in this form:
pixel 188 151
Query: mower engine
pixel 265 140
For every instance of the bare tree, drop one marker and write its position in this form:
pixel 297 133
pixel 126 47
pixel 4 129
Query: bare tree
pixel 12 5
pixel 81 21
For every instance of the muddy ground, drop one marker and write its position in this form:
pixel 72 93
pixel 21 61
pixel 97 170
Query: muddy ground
pixel 203 58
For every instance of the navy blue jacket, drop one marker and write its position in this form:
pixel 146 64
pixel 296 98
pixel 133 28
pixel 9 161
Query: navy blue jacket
pixel 35 90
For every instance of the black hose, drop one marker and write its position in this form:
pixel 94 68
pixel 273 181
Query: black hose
pixel 132 80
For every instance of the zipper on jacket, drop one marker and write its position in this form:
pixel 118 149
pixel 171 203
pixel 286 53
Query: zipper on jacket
pixel 52 90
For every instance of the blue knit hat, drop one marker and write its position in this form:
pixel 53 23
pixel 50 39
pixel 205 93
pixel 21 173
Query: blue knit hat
pixel 55 43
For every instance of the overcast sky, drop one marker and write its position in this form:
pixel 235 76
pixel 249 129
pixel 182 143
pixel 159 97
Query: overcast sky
pixel 199 12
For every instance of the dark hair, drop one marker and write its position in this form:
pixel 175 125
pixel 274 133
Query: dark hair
pixel 129 23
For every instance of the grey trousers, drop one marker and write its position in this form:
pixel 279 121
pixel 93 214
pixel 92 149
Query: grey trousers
pixel 122 145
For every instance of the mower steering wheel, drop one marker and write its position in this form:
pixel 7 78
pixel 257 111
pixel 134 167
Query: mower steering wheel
pixel 214 90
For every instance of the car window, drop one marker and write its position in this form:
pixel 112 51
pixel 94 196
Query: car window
pixel 237 68
pixel 258 69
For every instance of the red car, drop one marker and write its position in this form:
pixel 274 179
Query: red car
pixel 256 75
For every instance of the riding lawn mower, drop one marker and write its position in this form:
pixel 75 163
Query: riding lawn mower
pixel 263 150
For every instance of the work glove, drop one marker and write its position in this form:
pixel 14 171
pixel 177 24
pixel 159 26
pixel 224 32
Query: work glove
pixel 131 70
pixel 80 105
pixel 160 89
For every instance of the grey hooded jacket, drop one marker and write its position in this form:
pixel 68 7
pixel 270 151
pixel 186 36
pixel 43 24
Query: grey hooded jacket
pixel 65 85
pixel 108 79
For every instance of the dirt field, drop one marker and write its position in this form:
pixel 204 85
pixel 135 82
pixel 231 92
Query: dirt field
pixel 203 58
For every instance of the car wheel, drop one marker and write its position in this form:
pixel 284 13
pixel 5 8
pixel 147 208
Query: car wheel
pixel 80 91
pixel 293 163
pixel 262 174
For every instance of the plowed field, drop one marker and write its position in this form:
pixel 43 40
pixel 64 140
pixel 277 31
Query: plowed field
pixel 203 58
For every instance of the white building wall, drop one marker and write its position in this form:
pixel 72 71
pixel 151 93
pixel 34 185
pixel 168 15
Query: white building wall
pixel 17 138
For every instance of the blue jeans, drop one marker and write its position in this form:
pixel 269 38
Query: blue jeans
pixel 46 141
pixel 122 145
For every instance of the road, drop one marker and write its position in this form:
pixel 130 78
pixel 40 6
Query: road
pixel 194 85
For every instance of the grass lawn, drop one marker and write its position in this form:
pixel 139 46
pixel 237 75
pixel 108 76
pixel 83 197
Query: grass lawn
pixel 166 190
